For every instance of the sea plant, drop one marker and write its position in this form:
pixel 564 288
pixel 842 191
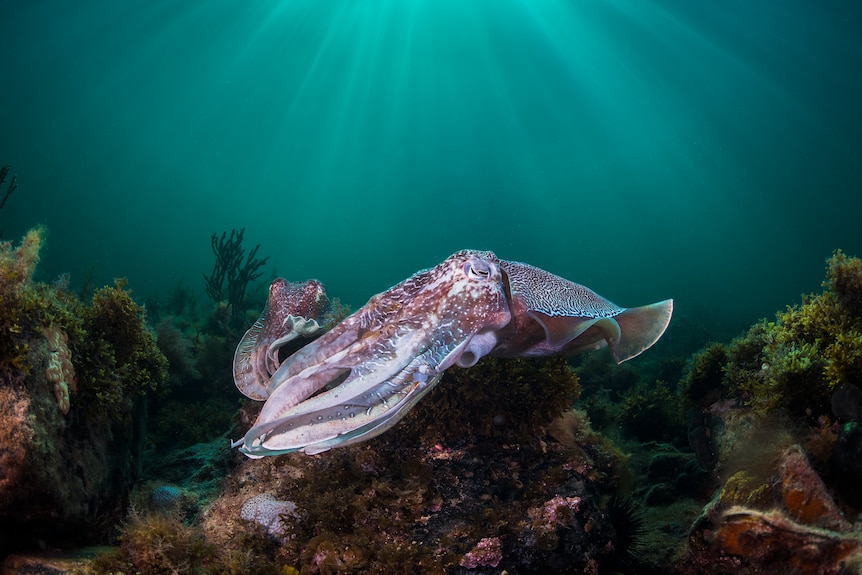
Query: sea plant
pixel 119 356
pixel 113 350
pixel 796 361
pixel 21 307
pixel 233 270
pixel 499 398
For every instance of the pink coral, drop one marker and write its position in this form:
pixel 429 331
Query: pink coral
pixel 557 511
pixel 488 552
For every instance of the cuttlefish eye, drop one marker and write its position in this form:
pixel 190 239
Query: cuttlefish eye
pixel 478 269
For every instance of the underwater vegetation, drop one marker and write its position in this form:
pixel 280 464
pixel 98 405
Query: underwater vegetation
pixel 498 468
pixel 233 270
pixel 527 393
pixel 199 400
pixel 161 544
pixel 795 362
pixel 10 189
pixel 492 471
pixel 73 378
pixel 774 399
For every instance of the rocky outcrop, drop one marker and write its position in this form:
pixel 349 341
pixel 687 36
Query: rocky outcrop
pixel 62 475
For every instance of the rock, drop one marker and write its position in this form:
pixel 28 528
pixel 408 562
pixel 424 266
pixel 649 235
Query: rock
pixel 805 496
pixel 660 494
pixel 846 462
pixel 61 474
pixel 77 563
pixel 791 526
pixel 664 467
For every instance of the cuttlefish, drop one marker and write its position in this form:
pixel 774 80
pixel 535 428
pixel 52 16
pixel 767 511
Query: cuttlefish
pixel 361 377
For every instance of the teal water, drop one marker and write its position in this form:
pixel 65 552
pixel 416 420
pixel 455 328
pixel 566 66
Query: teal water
pixel 706 151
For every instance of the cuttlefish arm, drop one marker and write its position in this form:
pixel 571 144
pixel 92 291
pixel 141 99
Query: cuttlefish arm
pixel 289 320
pixel 371 368
pixel 554 316
pixel 344 417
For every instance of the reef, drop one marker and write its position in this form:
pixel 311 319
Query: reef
pixel 797 361
pixel 455 488
pixel 73 381
pixel 773 400
pixel 742 459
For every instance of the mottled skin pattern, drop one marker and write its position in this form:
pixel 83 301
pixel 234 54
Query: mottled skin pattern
pixel 292 313
pixel 553 316
pixel 377 363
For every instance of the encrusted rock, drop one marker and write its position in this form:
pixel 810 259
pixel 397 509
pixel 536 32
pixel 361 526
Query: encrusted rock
pixel 59 372
pixel 61 473
pixel 804 495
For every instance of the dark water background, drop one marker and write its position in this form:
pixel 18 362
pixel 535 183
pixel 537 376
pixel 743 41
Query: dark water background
pixel 707 151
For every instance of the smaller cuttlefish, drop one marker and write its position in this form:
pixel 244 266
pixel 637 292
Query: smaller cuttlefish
pixel 378 362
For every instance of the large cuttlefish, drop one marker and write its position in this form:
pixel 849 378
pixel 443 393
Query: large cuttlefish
pixel 362 376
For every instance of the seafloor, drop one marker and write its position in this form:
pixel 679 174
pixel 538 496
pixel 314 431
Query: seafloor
pixel 698 457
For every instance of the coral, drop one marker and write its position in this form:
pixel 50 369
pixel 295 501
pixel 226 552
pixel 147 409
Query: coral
pixel 488 552
pixel 267 511
pixel 59 372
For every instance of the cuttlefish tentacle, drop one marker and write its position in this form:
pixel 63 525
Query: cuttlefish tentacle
pixel 373 353
pixel 291 315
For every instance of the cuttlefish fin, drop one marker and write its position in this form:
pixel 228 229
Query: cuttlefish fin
pixel 626 334
pixel 256 358
pixel 640 328
pixel 561 330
